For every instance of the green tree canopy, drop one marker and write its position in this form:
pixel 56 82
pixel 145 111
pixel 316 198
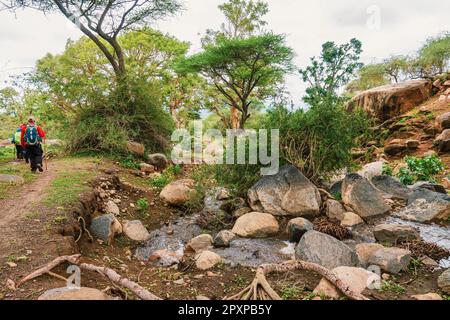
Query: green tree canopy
pixel 335 67
pixel 242 70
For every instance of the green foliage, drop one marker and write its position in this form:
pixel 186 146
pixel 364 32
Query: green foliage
pixel 388 285
pixel 420 169
pixel 290 292
pixel 319 141
pixel 434 57
pixel 142 205
pixel 242 70
pixel 129 162
pixel 334 68
pixel 369 76
pixel 387 170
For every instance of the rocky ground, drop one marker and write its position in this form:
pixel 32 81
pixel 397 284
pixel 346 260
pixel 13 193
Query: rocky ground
pixel 382 239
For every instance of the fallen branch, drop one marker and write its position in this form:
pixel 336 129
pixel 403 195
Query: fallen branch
pixel 260 288
pixel 107 272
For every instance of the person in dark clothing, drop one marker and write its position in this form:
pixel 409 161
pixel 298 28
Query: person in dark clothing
pixel 33 136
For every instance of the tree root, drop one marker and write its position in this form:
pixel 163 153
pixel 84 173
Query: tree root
pixel 107 272
pixel 260 289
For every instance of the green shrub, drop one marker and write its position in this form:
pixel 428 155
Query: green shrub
pixel 129 162
pixel 142 205
pixel 319 141
pixel 387 170
pixel 420 169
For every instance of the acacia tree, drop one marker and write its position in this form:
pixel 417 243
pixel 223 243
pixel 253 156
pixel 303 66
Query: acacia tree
pixel 335 67
pixel 104 20
pixel 242 69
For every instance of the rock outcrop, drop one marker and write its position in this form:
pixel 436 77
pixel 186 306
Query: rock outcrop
pixel 390 101
pixel 288 193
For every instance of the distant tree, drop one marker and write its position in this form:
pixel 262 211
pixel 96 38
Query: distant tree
pixel 244 18
pixel 335 67
pixel 369 76
pixel 103 21
pixel 242 70
pixel 396 68
pixel 10 101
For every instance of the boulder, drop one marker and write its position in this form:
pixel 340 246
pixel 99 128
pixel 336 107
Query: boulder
pixel 297 227
pixel 325 250
pixel 427 297
pixel 412 144
pixel 11 179
pixel 394 149
pixel 256 225
pixel 356 279
pixel 223 239
pixel 429 186
pixel 444 281
pixel 443 121
pixel 135 230
pixel 363 197
pixel 351 220
pixel 443 141
pixel 336 187
pixel 392 260
pixel 158 160
pixel 391 186
pixel 207 260
pixel 389 101
pixel 288 193
pixel 146 168
pixel 136 148
pixel 112 208
pixel 105 227
pixel 334 210
pixel 395 233
pixel 371 170
pixel 365 252
pixel 426 206
pixel 178 192
pixel 199 243
pixel 82 293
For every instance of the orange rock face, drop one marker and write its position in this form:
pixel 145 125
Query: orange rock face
pixel 390 101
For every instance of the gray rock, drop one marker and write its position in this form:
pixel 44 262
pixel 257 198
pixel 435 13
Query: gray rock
pixel 444 120
pixel 336 188
pixel 223 239
pixel 392 260
pixel 325 250
pixel 394 149
pixel 443 141
pixel 444 281
pixel 363 197
pixel 425 211
pixel 334 210
pixel 8 178
pixel 135 230
pixel 297 227
pixel 371 170
pixel 429 186
pixel 428 195
pixel 112 208
pixel 158 160
pixel 288 193
pixel 394 233
pixel 105 227
pixel 392 186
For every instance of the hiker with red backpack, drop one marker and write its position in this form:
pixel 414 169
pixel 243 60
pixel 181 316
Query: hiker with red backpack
pixel 32 137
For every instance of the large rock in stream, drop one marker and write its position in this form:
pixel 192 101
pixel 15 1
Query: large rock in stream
pixel 288 193
pixel 363 197
pixel 389 101
pixel 325 250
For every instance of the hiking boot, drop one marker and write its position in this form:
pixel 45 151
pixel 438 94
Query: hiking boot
pixel 40 168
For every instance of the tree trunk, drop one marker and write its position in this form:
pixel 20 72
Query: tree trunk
pixel 235 119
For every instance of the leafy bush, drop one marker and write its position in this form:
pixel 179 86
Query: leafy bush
pixel 420 169
pixel 142 205
pixel 387 170
pixel 319 141
pixel 129 162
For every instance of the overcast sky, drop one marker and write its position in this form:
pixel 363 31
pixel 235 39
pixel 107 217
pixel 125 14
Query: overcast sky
pixel 385 27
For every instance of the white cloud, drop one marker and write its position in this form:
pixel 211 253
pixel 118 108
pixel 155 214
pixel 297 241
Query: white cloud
pixel 405 24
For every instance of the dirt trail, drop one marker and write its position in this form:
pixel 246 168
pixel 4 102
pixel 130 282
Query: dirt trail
pixel 14 208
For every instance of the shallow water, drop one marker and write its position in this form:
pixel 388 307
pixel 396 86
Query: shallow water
pixel 432 233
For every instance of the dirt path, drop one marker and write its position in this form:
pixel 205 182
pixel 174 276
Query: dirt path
pixel 14 209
